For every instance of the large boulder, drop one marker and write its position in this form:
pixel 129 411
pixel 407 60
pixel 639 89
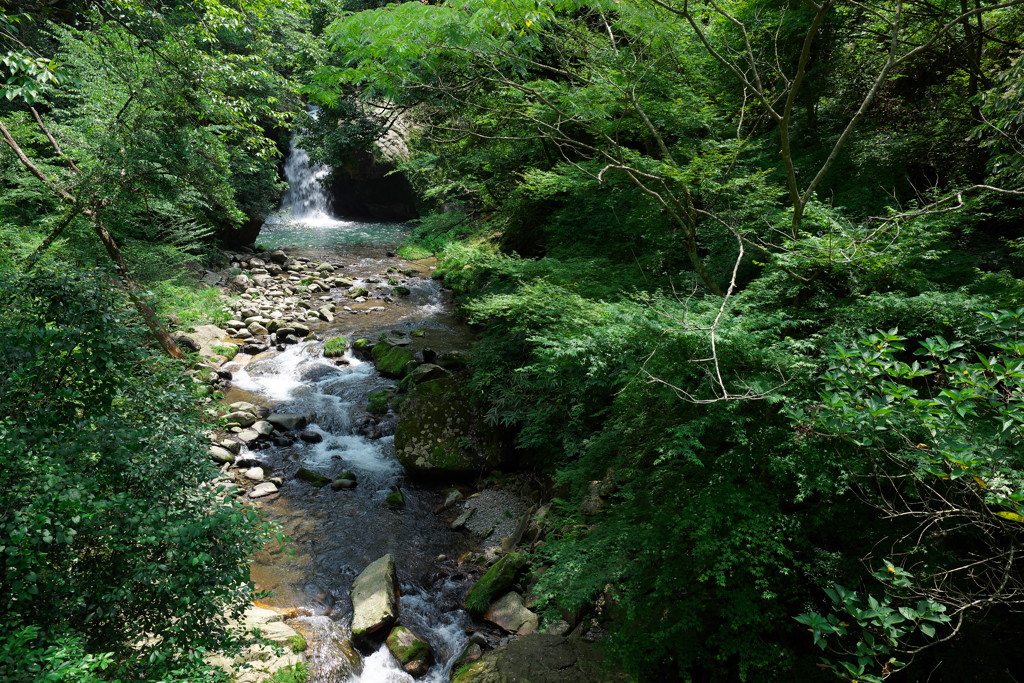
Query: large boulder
pixel 207 337
pixel 441 432
pixel 374 599
pixel 539 658
pixel 509 613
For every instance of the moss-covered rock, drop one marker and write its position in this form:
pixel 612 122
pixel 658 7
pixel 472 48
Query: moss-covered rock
pixel 424 373
pixel 362 348
pixel 494 582
pixel 411 651
pixel 314 478
pixel 393 361
pixel 377 401
pixel 441 432
pixel 335 348
pixel 395 499
pixel 540 658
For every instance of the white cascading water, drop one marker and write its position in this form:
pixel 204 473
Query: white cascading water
pixel 301 380
pixel 305 201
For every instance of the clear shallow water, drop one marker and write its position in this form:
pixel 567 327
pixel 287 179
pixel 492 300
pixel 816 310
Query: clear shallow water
pixel 326 232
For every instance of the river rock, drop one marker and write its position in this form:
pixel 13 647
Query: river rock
pixel 248 436
pixel 309 436
pixel 254 474
pixel 243 418
pixel 238 283
pixel 325 268
pixel 411 651
pixel 509 613
pixel 257 328
pixel 540 658
pixel 461 520
pixel 425 373
pixel 339 484
pixel 441 432
pixel 263 427
pixel 221 455
pixel 243 406
pixel 265 489
pixel 287 421
pixel 230 445
pixel 495 581
pixel 207 337
pixel 374 598
pixel 278 256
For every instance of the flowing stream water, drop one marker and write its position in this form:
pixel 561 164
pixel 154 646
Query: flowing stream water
pixel 334 535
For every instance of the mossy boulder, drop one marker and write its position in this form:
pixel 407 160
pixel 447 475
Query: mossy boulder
pixel 440 432
pixel 393 361
pixel 411 651
pixel 363 348
pixel 495 581
pixel 335 348
pixel 314 478
pixel 424 373
pixel 377 401
pixel 540 658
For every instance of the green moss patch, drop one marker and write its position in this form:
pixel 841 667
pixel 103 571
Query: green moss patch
pixel 314 478
pixel 495 581
pixel 334 348
pixel 393 361
pixel 377 402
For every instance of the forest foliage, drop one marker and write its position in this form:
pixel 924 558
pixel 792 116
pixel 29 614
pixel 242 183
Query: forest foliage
pixel 133 134
pixel 748 281
pixel 747 276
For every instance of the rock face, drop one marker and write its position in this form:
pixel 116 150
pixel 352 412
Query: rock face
pixel 374 598
pixel 411 651
pixel 440 432
pixel 539 658
pixel 509 613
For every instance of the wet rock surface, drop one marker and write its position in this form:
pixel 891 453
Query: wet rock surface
pixel 538 658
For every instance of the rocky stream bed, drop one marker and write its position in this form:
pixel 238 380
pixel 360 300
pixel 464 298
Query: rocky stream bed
pixel 346 419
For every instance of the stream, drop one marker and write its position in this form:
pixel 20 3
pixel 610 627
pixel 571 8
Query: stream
pixel 334 535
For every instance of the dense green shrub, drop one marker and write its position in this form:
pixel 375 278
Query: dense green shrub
pixel 116 536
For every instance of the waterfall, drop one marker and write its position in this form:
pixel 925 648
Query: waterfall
pixel 305 201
